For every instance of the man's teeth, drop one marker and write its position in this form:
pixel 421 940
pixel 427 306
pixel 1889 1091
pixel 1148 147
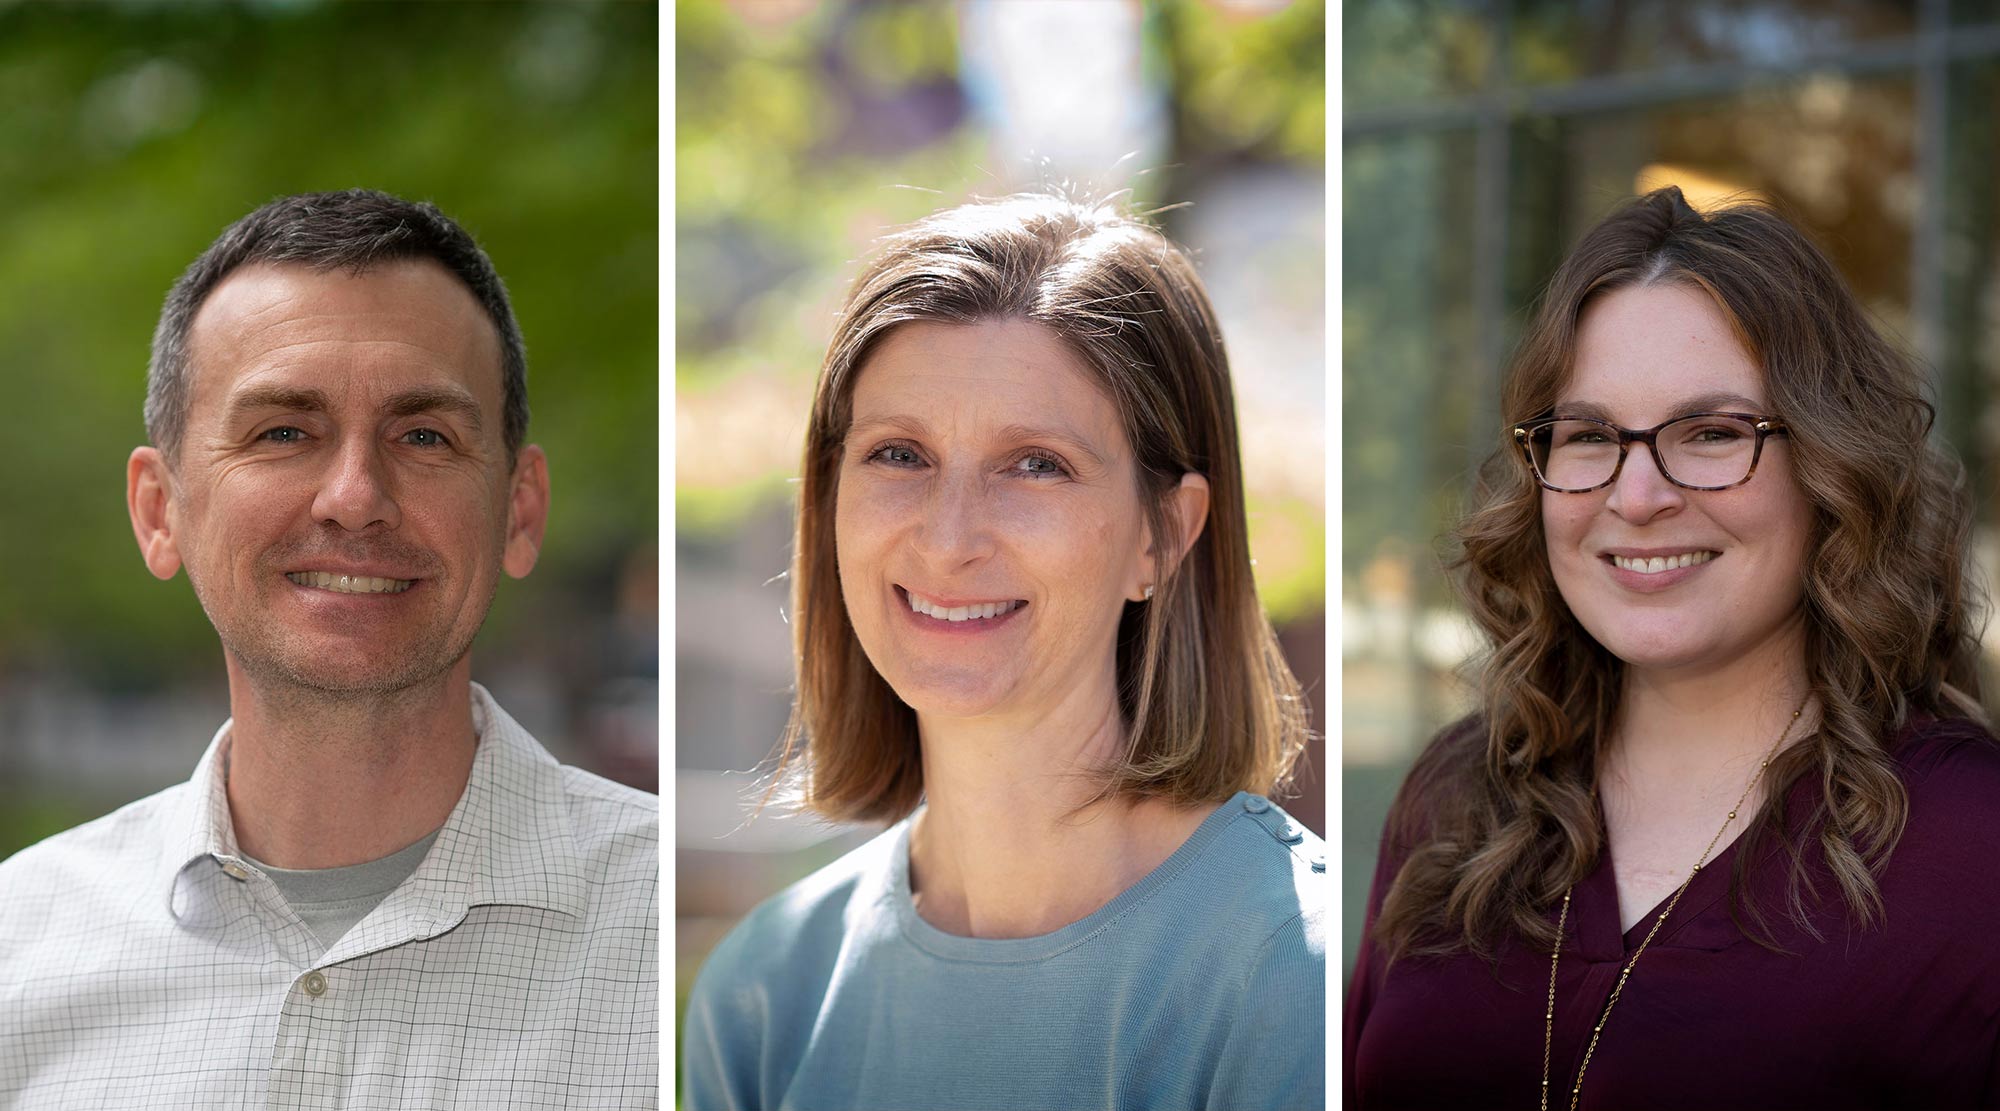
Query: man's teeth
pixel 1657 564
pixel 350 584
pixel 959 613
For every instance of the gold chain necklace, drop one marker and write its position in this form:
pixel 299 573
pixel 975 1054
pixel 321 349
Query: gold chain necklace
pixel 1555 955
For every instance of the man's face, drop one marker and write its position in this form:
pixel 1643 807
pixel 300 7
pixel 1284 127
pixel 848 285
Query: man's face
pixel 342 500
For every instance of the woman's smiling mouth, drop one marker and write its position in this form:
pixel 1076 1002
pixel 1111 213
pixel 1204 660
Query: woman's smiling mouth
pixel 959 612
pixel 1653 565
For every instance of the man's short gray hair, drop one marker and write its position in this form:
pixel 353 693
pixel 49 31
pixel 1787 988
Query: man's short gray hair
pixel 354 230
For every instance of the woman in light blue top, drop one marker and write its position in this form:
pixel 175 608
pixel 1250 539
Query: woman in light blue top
pixel 1026 633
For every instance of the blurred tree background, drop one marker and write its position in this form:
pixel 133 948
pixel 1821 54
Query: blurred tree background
pixel 130 136
pixel 806 131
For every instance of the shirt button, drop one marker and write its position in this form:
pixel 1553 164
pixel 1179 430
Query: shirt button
pixel 1290 833
pixel 236 870
pixel 315 984
pixel 1256 804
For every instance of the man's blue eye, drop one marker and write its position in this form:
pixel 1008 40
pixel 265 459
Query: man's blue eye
pixel 426 437
pixel 285 435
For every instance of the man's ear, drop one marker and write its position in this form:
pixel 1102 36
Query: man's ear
pixel 527 512
pixel 149 495
pixel 1187 515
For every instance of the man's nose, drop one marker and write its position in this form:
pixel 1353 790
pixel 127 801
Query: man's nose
pixel 356 492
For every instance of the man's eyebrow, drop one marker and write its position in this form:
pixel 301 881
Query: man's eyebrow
pixel 409 403
pixel 292 398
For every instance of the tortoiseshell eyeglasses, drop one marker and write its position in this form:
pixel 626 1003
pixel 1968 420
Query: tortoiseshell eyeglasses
pixel 1700 451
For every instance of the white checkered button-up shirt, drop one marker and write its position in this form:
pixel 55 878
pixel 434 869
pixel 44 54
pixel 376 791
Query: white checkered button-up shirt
pixel 145 963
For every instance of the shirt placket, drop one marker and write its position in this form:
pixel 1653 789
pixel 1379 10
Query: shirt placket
pixel 309 1053
pixel 308 1049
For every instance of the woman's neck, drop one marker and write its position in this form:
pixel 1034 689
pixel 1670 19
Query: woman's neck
pixel 1009 843
pixel 1691 726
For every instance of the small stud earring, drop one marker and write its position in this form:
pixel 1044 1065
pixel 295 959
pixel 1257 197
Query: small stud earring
pixel 1149 591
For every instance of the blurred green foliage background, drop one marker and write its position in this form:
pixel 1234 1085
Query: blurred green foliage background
pixel 132 134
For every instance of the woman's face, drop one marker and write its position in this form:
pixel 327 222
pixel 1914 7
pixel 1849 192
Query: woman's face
pixel 1646 354
pixel 984 473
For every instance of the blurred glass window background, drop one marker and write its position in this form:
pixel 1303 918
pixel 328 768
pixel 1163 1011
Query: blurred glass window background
pixel 1871 123
pixel 131 135
pixel 1556 43
pixel 805 132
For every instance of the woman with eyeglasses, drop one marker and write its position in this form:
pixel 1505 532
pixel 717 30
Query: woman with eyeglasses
pixel 1724 830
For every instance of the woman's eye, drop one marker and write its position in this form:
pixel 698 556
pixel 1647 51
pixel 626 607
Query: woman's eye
pixel 425 437
pixel 284 435
pixel 897 455
pixel 1038 464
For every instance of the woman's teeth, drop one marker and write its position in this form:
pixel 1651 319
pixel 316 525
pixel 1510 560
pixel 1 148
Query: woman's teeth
pixel 350 584
pixel 959 613
pixel 1657 564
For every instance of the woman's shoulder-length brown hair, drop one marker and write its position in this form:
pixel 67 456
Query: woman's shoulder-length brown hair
pixel 1209 705
pixel 1499 817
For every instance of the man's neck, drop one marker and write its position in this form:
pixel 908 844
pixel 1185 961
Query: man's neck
pixel 325 781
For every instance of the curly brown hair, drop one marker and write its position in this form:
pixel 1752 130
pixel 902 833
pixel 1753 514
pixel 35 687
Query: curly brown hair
pixel 1498 817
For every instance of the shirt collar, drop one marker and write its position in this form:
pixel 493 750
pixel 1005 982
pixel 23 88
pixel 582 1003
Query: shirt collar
pixel 508 841
pixel 199 828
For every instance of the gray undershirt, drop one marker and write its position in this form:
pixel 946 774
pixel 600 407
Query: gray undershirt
pixel 333 900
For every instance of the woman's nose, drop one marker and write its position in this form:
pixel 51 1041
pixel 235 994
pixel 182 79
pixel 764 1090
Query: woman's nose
pixel 1642 491
pixel 956 527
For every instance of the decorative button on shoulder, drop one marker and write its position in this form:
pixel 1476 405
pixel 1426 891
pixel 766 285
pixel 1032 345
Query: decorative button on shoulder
pixel 1256 804
pixel 1290 833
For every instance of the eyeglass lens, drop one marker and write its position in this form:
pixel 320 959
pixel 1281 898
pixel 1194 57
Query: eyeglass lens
pixel 1696 451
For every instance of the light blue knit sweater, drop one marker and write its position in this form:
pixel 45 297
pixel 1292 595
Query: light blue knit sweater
pixel 1203 985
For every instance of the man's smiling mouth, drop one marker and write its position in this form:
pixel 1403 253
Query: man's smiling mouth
pixel 350 584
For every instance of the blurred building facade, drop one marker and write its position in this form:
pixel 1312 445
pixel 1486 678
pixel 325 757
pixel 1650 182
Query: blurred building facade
pixel 1481 138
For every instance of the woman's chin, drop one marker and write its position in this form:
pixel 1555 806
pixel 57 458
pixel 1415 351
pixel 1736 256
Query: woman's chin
pixel 953 694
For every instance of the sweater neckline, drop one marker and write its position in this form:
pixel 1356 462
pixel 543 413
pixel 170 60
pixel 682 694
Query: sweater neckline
pixel 1020 950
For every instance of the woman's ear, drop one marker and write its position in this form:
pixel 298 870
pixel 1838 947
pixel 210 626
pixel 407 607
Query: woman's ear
pixel 1187 515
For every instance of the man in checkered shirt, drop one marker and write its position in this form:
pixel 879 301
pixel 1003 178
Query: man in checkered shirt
pixel 377 890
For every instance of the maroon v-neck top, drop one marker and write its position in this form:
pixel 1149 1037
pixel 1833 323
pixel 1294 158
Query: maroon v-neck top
pixel 1903 1014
